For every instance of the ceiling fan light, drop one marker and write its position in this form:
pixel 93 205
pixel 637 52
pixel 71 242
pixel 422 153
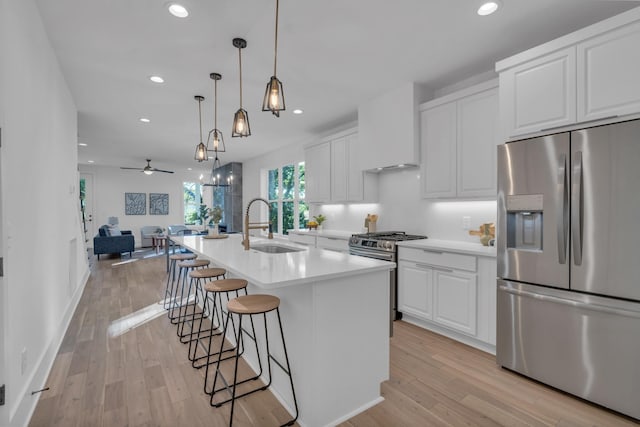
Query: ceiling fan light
pixel 274 97
pixel 241 124
pixel 201 153
pixel 147 171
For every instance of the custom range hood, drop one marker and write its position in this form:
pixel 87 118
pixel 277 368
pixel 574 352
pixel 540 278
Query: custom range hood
pixel 388 130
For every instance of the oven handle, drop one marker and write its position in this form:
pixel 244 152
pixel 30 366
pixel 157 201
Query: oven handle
pixel 371 254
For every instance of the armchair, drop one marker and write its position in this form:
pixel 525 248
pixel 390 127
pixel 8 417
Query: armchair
pixel 105 244
pixel 145 234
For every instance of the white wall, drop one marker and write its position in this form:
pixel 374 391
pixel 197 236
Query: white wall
pixel 110 184
pixel 45 259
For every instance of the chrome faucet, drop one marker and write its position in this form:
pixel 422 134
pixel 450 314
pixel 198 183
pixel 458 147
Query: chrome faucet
pixel 255 225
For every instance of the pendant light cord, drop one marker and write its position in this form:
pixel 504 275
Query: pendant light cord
pixel 240 62
pixel 215 105
pixel 275 55
pixel 200 116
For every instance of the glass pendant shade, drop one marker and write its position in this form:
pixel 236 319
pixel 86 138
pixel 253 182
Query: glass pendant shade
pixel 274 97
pixel 215 141
pixel 241 124
pixel 201 153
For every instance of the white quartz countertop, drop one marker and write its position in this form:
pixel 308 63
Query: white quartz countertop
pixel 451 246
pixel 336 234
pixel 278 270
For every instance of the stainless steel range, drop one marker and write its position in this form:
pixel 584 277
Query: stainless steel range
pixel 382 245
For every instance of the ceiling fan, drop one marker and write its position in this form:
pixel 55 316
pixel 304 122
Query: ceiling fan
pixel 147 169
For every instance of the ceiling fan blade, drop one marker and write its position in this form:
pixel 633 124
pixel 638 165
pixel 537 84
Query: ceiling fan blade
pixel 160 170
pixel 135 169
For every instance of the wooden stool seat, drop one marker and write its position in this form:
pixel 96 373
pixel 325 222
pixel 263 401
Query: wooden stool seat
pixel 253 304
pixel 182 257
pixel 207 273
pixel 225 285
pixel 194 263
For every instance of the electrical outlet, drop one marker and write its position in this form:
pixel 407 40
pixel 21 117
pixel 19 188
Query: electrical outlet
pixel 466 222
pixel 23 361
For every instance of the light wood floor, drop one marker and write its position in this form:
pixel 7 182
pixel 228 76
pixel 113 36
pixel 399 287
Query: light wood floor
pixel 142 378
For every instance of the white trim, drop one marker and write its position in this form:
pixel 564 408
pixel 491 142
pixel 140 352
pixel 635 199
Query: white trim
pixel 23 410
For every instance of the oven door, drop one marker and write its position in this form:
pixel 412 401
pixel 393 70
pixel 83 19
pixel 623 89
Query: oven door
pixel 393 287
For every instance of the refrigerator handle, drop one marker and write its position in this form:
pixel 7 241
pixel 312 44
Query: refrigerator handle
pixel 576 207
pixel 562 209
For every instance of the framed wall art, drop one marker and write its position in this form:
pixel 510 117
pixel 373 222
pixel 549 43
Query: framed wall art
pixel 135 203
pixel 158 204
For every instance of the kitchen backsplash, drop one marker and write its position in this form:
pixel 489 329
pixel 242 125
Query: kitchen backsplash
pixel 401 208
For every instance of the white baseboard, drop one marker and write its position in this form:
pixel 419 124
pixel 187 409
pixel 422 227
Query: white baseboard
pixel 27 404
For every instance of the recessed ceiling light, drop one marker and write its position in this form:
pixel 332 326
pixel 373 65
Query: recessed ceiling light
pixel 82 144
pixel 178 10
pixel 298 111
pixel 156 79
pixel 144 120
pixel 488 7
pixel 90 161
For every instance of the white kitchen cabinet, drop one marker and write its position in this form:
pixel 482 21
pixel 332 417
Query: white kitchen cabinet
pixel 336 244
pixel 539 94
pixel 303 239
pixel 588 75
pixel 388 128
pixel 333 172
pixel 415 290
pixel 339 166
pixel 459 134
pixel 608 70
pixel 318 173
pixel 455 301
pixel 449 293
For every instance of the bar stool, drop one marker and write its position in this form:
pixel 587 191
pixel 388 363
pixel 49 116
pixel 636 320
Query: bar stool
pixel 195 278
pixel 251 305
pixel 184 268
pixel 169 296
pixel 213 296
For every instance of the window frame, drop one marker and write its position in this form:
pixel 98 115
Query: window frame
pixel 279 200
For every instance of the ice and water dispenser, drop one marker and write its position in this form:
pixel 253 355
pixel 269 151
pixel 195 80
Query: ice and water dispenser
pixel 524 222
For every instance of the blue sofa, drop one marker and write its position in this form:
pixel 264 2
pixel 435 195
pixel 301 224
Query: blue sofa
pixel 103 243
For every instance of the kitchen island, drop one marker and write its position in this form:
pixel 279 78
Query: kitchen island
pixel 335 312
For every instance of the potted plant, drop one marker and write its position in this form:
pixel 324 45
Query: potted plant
pixel 319 219
pixel 215 214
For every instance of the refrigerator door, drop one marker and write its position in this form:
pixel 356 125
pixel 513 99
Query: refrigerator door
pixel 605 210
pixel 533 210
pixel 583 344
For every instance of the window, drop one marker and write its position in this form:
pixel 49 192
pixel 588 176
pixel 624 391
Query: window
pixel 285 192
pixel 192 199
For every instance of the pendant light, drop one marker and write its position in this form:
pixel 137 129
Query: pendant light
pixel 201 150
pixel 274 94
pixel 241 118
pixel 215 141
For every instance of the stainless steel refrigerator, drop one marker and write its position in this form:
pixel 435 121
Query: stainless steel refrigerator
pixel 569 262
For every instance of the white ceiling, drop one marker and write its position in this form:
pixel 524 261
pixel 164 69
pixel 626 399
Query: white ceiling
pixel 332 56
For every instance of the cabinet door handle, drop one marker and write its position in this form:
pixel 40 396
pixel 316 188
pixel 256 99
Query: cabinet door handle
pixel 432 251
pixel 435 267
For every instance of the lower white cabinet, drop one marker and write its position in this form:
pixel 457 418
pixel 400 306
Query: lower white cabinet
pixel 454 300
pixel 415 294
pixel 332 244
pixel 450 293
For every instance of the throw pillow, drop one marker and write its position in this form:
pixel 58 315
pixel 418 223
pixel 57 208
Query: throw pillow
pixel 102 231
pixel 115 231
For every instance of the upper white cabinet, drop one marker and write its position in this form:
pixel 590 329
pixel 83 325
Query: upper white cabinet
pixel 317 160
pixel 608 70
pixel 388 129
pixel 587 75
pixel 539 94
pixel 333 172
pixel 459 134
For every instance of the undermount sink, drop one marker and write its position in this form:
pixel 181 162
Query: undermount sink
pixel 275 248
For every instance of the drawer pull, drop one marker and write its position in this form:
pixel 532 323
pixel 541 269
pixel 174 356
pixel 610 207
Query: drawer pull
pixel 431 251
pixel 435 267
